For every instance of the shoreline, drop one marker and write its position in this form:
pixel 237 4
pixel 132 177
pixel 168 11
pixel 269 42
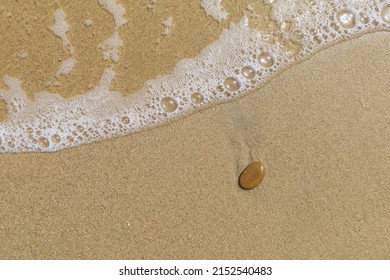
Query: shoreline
pixel 171 192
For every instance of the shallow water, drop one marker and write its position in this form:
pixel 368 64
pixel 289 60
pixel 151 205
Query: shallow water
pixel 263 40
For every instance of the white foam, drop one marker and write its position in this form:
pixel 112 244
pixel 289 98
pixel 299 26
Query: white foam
pixel 51 123
pixel 151 4
pixel 168 24
pixel 66 67
pixel 250 7
pixel 214 9
pixel 88 22
pixel 60 27
pixel 117 11
pixel 111 47
pixel 23 54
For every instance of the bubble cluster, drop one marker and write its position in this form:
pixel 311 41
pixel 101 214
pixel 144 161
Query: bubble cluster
pixel 239 61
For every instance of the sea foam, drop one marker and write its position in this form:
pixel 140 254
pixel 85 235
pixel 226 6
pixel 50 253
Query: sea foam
pixel 239 61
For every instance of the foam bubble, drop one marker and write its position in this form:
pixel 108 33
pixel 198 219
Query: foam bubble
pixel 346 19
pixel 44 142
pixel 231 84
pixel 266 60
pixel 125 120
pixel 169 104
pixel 364 18
pixel 197 98
pixel 385 13
pixel 56 138
pixel 248 72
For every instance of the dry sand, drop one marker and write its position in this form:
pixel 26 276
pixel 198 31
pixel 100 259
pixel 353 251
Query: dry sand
pixel 321 128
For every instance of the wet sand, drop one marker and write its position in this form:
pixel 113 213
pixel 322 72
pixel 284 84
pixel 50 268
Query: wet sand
pixel 321 128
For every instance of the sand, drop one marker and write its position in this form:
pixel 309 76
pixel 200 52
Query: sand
pixel 321 128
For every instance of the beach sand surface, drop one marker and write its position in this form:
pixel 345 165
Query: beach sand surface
pixel 321 129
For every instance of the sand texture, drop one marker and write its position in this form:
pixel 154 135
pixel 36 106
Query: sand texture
pixel 321 128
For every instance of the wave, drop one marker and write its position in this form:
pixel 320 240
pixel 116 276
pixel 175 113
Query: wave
pixel 244 57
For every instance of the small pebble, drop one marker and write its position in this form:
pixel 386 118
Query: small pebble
pixel 252 176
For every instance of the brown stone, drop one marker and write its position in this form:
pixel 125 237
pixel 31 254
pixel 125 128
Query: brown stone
pixel 252 176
